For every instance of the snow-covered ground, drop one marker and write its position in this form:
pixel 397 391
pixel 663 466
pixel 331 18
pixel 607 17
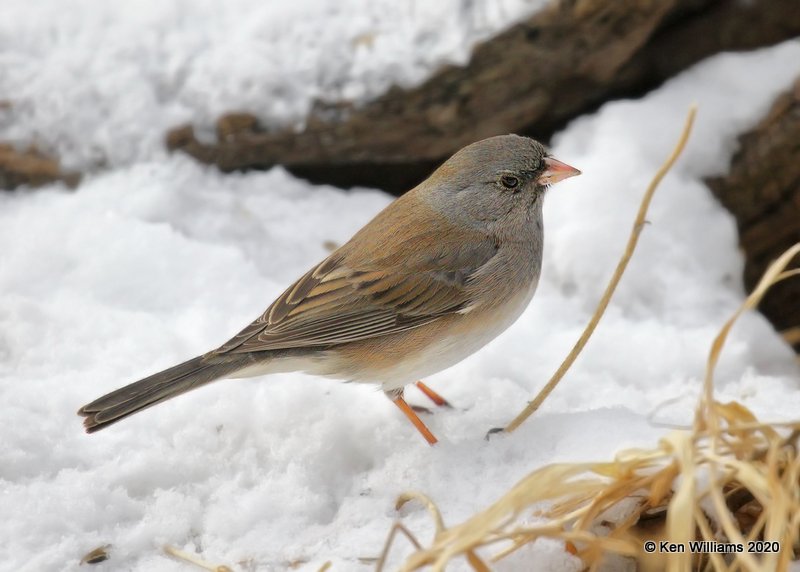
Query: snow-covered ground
pixel 100 82
pixel 158 258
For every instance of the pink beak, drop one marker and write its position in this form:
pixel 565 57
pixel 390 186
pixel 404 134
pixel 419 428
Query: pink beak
pixel 556 171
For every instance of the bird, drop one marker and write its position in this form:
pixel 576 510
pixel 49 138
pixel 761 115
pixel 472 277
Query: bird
pixel 430 280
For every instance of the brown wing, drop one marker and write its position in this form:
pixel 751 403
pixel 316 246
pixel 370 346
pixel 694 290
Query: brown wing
pixel 335 303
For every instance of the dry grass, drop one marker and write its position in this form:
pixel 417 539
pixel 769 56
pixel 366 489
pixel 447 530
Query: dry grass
pixel 730 478
pixel 630 247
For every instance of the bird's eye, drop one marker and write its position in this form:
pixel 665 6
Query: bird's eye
pixel 509 181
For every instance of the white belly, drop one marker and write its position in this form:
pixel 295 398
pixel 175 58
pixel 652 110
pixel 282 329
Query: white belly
pixel 449 348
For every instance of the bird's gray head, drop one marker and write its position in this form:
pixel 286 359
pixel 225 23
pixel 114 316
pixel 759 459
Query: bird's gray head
pixel 495 179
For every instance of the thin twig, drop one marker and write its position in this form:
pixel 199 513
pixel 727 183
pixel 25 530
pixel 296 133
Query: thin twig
pixel 425 501
pixel 183 555
pixel 612 285
pixel 706 415
pixel 396 527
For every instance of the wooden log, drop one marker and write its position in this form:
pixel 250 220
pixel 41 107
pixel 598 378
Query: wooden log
pixel 533 78
pixel 762 190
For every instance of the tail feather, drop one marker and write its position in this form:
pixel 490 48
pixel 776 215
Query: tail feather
pixel 154 389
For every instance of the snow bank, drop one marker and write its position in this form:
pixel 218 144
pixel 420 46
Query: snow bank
pixel 101 82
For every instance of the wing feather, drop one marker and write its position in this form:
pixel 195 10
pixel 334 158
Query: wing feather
pixel 341 301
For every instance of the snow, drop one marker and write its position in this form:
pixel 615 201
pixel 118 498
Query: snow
pixel 101 82
pixel 156 259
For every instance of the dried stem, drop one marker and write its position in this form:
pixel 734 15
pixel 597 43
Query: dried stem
pixel 612 285
pixel 196 560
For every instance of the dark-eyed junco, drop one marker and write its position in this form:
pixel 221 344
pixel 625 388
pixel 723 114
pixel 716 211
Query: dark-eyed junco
pixel 430 280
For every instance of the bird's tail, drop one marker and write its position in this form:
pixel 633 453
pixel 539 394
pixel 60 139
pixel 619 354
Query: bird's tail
pixel 154 389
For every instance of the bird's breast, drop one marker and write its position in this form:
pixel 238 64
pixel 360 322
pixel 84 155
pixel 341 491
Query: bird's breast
pixel 399 359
